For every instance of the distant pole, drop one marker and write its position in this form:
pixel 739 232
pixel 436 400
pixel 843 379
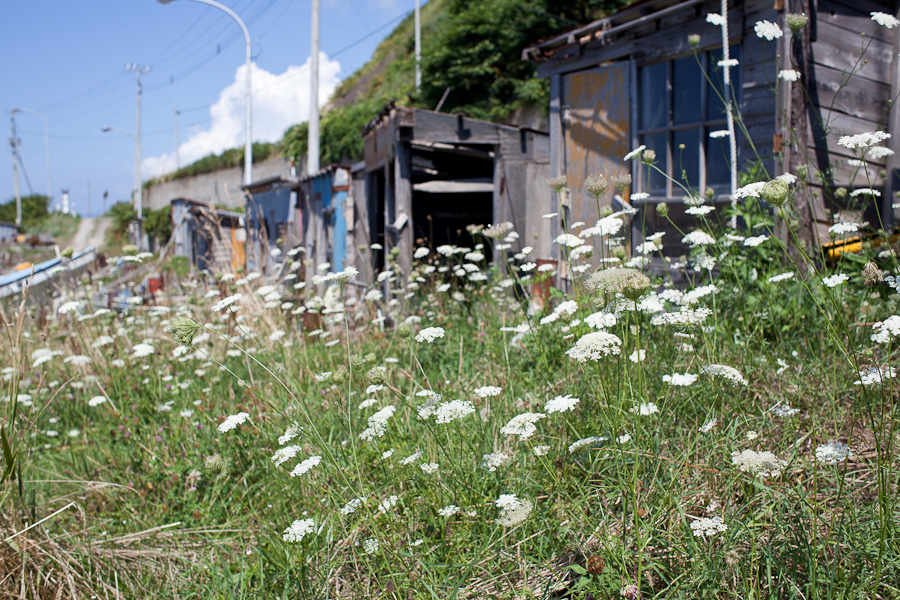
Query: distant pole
pixel 14 144
pixel 46 145
pixel 177 154
pixel 418 47
pixel 312 163
pixel 138 193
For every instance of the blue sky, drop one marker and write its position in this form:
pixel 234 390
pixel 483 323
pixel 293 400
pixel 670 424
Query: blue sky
pixel 66 60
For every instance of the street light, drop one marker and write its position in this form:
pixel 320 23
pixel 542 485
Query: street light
pixel 136 197
pixel 248 143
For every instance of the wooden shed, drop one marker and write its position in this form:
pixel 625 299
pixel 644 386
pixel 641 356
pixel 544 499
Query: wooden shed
pixel 634 79
pixel 273 225
pixel 322 205
pixel 427 175
pixel 211 238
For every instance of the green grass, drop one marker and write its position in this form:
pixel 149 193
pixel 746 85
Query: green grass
pixel 817 530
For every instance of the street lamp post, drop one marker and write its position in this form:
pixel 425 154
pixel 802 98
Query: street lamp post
pixel 248 142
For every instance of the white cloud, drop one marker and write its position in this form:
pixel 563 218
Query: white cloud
pixel 279 101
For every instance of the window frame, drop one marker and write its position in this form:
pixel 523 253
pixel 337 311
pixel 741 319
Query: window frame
pixel 704 125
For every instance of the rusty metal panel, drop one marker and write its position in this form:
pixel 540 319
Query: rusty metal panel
pixel 596 131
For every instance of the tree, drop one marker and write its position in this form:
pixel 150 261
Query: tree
pixel 34 210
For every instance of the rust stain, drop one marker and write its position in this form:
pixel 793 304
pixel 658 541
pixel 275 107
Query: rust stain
pixel 596 130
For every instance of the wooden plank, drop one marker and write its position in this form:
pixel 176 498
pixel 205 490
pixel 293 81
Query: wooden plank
pixel 557 151
pixel 841 49
pixel 855 16
pixel 861 97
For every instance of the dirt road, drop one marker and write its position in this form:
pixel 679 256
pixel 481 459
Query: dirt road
pixel 91 232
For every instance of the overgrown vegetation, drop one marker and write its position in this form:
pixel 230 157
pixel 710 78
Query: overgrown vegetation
pixel 216 162
pixel 725 428
pixel 34 211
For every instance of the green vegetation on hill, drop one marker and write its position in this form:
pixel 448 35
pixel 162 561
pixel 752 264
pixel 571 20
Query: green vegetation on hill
pixel 34 210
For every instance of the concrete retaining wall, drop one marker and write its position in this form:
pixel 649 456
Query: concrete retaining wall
pixel 222 188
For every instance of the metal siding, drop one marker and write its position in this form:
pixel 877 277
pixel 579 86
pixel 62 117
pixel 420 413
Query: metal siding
pixel 339 232
pixel 596 131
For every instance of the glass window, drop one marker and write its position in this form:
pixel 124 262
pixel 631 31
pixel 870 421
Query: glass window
pixel 678 108
pixel 687 79
pixel 686 156
pixel 654 110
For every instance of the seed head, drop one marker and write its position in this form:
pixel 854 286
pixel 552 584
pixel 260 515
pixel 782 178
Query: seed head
pixel 129 249
pixel 357 362
pixel 796 22
pixel 621 181
pixel 648 156
pixel 693 40
pixel 872 274
pixel 557 183
pixel 67 253
pixel 775 192
pixel 377 375
pixel 497 231
pixel 216 464
pixel 840 193
pixel 662 209
pixel 605 211
pixel 405 330
pixel 629 282
pixel 183 329
pixel 596 185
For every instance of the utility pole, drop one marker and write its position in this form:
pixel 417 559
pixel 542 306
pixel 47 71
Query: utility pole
pixel 138 192
pixel 14 144
pixel 418 48
pixel 177 155
pixel 312 162
pixel 46 144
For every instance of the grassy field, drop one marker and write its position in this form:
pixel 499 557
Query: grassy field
pixel 476 448
pixel 726 428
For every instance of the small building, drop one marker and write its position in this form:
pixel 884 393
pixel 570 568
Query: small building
pixel 322 199
pixel 634 79
pixel 427 175
pixel 212 239
pixel 273 226
pixel 8 231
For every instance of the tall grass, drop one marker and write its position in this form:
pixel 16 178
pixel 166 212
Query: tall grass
pixel 432 435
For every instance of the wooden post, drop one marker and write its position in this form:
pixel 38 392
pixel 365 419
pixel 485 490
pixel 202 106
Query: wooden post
pixel 892 164
pixel 403 203
pixel 796 140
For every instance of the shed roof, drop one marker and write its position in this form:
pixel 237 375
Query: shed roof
pixel 603 31
pixel 275 181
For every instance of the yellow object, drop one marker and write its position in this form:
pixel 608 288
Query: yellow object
pixel 23 266
pixel 834 250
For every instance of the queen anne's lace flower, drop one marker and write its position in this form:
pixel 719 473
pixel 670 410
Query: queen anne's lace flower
pixel 730 374
pixel 512 510
pixel 304 467
pixel 698 238
pixel 233 421
pixel 680 379
pixel 762 464
pixel 561 404
pixel 886 330
pixel 706 527
pixel 377 424
pixel 594 346
pixel 522 425
pixel 452 410
pixel 298 530
pixel 861 141
pixel 885 20
pixel 833 452
pixel 767 30
pixel 429 334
